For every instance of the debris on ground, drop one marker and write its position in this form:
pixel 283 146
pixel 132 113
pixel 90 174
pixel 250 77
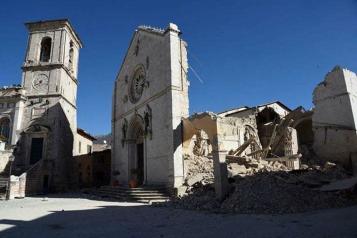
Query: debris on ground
pixel 260 186
pixel 199 169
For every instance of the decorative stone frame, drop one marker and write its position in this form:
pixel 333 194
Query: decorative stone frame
pixel 35 131
pixel 136 135
pixel 148 121
pixel 131 81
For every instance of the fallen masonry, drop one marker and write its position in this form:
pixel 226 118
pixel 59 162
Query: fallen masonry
pixel 263 187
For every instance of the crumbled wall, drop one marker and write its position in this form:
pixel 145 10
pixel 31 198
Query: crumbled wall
pixel 334 117
pixel 233 132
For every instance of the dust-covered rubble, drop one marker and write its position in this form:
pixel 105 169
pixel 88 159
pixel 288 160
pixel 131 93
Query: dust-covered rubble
pixel 260 186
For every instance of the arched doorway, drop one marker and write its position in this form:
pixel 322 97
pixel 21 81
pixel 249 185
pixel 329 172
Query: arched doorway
pixel 136 150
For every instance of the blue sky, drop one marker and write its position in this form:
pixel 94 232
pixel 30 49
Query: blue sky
pixel 247 52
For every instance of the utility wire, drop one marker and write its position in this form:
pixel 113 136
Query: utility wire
pixel 196 74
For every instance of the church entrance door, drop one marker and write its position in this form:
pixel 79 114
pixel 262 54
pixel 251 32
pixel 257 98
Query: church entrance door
pixel 136 152
pixel 36 150
pixel 140 163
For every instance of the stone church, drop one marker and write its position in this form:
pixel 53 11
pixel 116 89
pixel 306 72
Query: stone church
pixel 150 99
pixel 38 119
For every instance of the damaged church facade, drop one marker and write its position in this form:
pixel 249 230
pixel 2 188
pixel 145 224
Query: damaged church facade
pixel 153 132
pixel 150 100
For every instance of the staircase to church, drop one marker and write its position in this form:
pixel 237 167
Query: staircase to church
pixel 146 194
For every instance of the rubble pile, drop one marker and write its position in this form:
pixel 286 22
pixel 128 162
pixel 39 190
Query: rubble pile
pixel 282 192
pixel 249 166
pixel 199 169
pixel 259 186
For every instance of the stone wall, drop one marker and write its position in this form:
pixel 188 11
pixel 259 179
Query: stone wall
pixel 90 170
pixel 17 187
pixel 83 145
pixel 334 117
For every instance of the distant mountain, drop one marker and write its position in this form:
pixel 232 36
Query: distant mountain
pixel 102 138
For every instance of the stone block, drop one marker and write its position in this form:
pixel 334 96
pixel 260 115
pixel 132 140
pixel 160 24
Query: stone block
pixel 195 179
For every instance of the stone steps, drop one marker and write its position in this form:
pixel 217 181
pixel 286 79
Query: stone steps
pixel 142 194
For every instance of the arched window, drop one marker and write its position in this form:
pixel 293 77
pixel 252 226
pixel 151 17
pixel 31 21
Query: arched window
pixel 70 61
pixel 45 49
pixel 5 128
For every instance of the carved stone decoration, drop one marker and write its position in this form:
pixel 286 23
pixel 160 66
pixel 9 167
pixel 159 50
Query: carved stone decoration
pixel 124 129
pixel 137 84
pixel 148 122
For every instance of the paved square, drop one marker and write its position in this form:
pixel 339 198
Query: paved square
pixel 69 216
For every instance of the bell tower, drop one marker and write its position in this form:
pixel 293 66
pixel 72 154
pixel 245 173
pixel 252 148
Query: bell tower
pixel 48 133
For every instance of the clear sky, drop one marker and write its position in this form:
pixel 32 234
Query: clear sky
pixel 246 52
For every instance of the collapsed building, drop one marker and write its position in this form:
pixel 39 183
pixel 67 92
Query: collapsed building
pixel 154 138
pixel 244 133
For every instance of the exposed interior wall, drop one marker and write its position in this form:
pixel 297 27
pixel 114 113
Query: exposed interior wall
pixel 233 133
pixel 334 117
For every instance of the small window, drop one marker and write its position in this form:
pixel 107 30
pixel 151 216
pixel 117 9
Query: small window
pixel 1 105
pixel 80 147
pixel 89 149
pixel 45 49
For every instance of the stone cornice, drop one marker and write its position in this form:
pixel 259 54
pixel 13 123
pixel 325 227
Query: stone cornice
pixel 18 97
pixel 52 96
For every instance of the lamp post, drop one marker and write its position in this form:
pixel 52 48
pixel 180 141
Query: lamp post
pixel 11 160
